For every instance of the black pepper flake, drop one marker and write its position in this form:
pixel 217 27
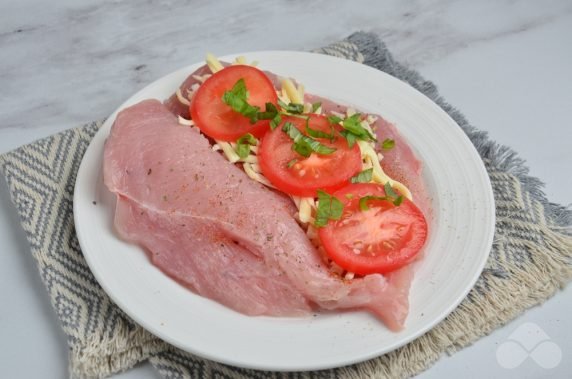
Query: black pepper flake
pixel 269 237
pixel 164 197
pixel 149 172
pixel 94 202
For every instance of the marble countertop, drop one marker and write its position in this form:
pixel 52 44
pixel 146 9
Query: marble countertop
pixel 504 64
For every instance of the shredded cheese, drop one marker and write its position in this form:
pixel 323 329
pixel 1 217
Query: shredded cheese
pixel 202 78
pixel 379 176
pixel 184 121
pixel 349 275
pixel 213 63
pixel 251 159
pixel 228 151
pixel 181 98
pixel 307 204
pixel 300 91
pixel 292 92
pixel 249 170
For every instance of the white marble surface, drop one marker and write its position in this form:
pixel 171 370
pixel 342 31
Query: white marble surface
pixel 505 64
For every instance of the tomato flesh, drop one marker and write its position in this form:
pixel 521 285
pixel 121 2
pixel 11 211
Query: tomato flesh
pixel 381 239
pixel 216 119
pixel 294 174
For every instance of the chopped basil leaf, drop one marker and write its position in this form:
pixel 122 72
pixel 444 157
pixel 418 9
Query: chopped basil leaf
pixel 243 145
pixel 318 133
pixel 389 190
pixel 305 145
pixel 388 144
pixel 329 208
pixel 302 148
pixel 333 119
pixel 316 106
pixel 395 198
pixel 390 195
pixel 243 150
pixel 363 201
pixel 275 121
pixel 363 177
pixel 269 113
pixel 291 108
pixel 292 163
pixel 353 130
pixel 351 138
pixel 353 125
pixel 237 98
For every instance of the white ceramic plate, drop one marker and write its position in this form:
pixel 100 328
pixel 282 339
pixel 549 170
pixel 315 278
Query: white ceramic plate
pixel 461 236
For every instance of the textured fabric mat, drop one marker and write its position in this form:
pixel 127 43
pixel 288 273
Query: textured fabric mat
pixel 530 260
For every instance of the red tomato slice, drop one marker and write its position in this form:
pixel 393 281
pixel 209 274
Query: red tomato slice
pixel 218 120
pixel 307 175
pixel 378 240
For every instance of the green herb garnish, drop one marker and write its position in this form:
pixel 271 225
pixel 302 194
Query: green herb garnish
pixel 329 208
pixel 276 120
pixel 354 131
pixel 389 190
pixel 305 145
pixel 243 145
pixel 363 201
pixel 351 138
pixel 291 108
pixel 292 163
pixel 316 106
pixel 237 99
pixel 333 119
pixel 318 133
pixel 390 195
pixel 388 144
pixel 363 177
pixel 271 113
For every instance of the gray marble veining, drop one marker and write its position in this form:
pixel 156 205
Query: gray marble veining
pixel 74 61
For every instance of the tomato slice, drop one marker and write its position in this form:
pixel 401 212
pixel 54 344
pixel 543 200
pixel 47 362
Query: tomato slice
pixel 218 120
pixel 294 174
pixel 380 239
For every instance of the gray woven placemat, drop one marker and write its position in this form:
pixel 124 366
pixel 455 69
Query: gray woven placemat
pixel 530 260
